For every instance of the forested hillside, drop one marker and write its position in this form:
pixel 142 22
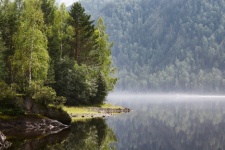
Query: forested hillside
pixel 161 45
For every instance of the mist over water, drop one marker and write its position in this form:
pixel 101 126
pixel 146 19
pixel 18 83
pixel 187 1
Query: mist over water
pixel 164 96
pixel 169 121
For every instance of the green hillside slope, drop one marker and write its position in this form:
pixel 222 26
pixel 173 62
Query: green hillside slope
pixel 161 45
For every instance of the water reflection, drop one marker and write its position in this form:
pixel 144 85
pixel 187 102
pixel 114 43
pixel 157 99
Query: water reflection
pixel 156 123
pixel 82 135
pixel 27 141
pixel 91 134
pixel 170 124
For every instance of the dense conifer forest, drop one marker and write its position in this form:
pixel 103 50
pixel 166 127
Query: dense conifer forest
pixel 51 56
pixel 161 45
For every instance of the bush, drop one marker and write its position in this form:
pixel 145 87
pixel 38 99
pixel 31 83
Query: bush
pixel 8 97
pixel 76 82
pixel 44 95
pixel 12 111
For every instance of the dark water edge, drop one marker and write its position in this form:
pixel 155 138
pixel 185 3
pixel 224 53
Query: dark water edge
pixel 32 142
pixel 82 135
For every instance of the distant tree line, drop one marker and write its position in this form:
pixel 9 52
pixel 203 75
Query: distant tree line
pixel 52 56
pixel 176 45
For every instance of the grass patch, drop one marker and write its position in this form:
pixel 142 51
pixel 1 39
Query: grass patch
pixel 107 105
pixel 7 117
pixel 77 110
pixel 86 109
pixel 84 113
pixel 80 119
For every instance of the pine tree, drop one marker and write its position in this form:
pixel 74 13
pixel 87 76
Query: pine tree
pixel 83 42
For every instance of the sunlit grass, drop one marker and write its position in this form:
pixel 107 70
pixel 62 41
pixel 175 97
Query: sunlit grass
pixel 86 109
pixel 80 119
pixel 77 110
pixel 107 105
pixel 6 116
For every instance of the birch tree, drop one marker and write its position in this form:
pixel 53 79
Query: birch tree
pixel 31 59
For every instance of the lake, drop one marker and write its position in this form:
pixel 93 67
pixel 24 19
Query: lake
pixel 168 122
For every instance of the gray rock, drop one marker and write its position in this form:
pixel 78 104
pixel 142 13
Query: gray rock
pixel 2 137
pixel 52 113
pixel 31 124
pixel 3 143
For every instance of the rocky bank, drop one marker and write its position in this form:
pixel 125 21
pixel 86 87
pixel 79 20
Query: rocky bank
pixel 33 125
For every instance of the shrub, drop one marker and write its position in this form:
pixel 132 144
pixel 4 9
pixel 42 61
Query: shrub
pixel 102 91
pixel 8 97
pixel 76 82
pixel 44 95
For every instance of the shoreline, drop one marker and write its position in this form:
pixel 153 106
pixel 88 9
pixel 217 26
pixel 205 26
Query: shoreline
pixel 88 112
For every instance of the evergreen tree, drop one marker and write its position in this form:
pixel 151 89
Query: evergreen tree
pixel 165 46
pixel 83 42
pixel 102 90
pixel 104 55
pixel 9 23
pixel 2 63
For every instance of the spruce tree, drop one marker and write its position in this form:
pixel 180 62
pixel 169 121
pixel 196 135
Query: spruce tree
pixel 104 55
pixel 83 42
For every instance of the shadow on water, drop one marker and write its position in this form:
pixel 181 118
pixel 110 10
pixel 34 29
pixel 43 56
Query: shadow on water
pixel 31 142
pixel 82 135
pixel 170 123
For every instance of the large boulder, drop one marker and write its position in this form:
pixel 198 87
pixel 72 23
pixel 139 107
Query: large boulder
pixel 2 137
pixel 31 124
pixel 3 143
pixel 52 113
pixel 59 115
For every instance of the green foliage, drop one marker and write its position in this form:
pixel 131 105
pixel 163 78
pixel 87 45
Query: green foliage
pixel 76 72
pixel 102 90
pixel 59 34
pixel 104 55
pixel 2 63
pixel 75 82
pixel 83 41
pixel 9 23
pixel 44 95
pixel 43 45
pixel 31 59
pixel 9 98
pixel 48 8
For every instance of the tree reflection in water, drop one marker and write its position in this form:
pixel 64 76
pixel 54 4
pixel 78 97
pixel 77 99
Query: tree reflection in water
pixel 91 134
pixel 82 135
pixel 171 125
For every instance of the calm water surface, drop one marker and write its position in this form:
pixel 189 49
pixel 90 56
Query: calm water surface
pixel 170 123
pixel 155 123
